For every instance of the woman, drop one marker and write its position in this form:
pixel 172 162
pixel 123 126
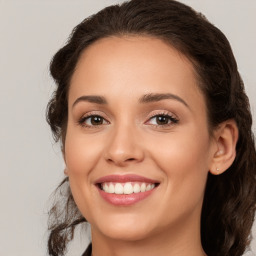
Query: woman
pixel 156 135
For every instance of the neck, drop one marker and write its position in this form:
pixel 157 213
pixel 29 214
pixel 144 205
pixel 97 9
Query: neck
pixel 182 240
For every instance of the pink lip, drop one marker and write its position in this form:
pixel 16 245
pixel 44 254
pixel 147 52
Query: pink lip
pixel 125 178
pixel 124 200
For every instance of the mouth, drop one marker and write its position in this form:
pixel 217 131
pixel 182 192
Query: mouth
pixel 125 189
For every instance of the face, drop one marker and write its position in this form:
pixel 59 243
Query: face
pixel 137 147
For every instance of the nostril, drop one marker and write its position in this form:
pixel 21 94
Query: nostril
pixel 122 157
pixel 130 159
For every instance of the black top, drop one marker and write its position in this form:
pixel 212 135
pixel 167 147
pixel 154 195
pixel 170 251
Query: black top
pixel 88 251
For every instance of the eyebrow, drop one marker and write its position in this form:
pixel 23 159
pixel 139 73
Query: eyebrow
pixel 147 98
pixel 91 98
pixel 154 97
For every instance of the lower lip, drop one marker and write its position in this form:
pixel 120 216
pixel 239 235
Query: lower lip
pixel 124 200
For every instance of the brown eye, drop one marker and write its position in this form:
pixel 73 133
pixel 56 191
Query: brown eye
pixel 162 120
pixel 93 120
pixel 96 120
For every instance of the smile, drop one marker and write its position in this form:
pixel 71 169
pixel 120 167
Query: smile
pixel 124 190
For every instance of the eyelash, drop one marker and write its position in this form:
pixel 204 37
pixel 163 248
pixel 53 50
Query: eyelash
pixel 171 120
pixel 83 119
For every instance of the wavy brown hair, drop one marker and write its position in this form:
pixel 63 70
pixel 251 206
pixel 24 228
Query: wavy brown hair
pixel 229 201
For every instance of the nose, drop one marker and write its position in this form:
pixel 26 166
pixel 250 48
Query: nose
pixel 124 146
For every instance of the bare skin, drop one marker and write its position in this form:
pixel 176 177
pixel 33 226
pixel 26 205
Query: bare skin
pixel 165 139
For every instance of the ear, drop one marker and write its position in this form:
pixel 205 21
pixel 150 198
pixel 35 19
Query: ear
pixel 65 165
pixel 66 171
pixel 224 153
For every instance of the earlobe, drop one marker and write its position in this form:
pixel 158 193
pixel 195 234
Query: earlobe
pixel 66 171
pixel 225 136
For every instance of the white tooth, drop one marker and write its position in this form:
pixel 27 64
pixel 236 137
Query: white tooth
pixel 148 187
pixel 143 187
pixel 119 189
pixel 128 189
pixel 111 188
pixel 136 188
pixel 105 188
pixel 152 186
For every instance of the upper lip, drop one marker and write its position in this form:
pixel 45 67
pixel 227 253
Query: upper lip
pixel 124 178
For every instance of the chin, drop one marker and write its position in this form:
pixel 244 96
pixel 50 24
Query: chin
pixel 127 234
pixel 125 229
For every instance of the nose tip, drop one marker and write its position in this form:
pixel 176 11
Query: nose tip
pixel 121 159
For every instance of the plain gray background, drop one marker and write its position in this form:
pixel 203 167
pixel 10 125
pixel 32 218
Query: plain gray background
pixel 31 31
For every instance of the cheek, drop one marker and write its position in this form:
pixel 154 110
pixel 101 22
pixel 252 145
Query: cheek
pixel 182 152
pixel 183 159
pixel 81 153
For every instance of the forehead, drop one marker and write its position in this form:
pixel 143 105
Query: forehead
pixel 115 66
pixel 127 50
